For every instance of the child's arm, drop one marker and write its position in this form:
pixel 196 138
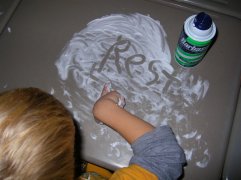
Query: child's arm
pixel 155 149
pixel 129 126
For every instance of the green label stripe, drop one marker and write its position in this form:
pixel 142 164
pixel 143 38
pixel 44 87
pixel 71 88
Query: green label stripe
pixel 185 64
pixel 192 56
pixel 188 59
pixel 198 43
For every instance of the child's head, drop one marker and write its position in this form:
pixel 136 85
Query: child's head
pixel 36 136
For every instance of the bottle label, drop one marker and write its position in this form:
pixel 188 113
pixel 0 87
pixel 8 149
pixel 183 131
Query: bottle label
pixel 190 52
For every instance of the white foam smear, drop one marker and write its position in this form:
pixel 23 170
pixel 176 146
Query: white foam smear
pixel 204 162
pixel 52 91
pixel 131 51
pixel 9 29
pixel 5 86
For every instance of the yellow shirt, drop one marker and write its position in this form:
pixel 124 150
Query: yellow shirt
pixel 133 172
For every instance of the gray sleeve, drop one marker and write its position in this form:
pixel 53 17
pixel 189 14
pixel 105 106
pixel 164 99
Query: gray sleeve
pixel 159 153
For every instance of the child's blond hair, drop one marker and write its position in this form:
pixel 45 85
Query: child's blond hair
pixel 36 136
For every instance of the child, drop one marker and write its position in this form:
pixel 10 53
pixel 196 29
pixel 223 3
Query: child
pixel 37 139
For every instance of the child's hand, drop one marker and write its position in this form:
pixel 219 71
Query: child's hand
pixel 108 101
pixel 108 88
pixel 108 111
pixel 110 97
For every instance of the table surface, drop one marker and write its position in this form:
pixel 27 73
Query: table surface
pixel 198 103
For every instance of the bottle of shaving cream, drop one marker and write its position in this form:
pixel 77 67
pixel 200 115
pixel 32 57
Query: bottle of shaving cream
pixel 197 35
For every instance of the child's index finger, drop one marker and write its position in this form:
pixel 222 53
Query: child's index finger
pixel 106 89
